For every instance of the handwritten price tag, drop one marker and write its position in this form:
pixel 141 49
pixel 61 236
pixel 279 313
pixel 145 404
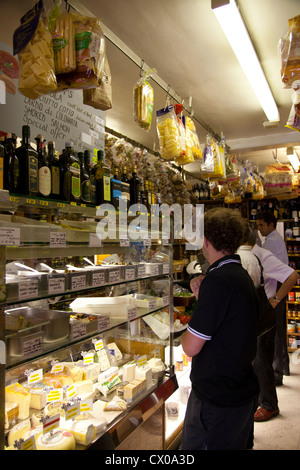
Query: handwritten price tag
pixel 58 239
pixel 9 236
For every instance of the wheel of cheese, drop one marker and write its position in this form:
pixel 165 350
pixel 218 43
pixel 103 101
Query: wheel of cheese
pixel 59 440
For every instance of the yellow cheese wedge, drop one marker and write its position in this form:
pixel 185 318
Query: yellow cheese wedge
pixel 16 393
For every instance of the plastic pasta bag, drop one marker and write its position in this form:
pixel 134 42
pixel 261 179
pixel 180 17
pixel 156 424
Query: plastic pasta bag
pixel 168 133
pixel 294 116
pixel 207 167
pixel 290 53
pixel 143 100
pixel 63 40
pixel 192 140
pixel 33 44
pixel 184 156
pixel 101 96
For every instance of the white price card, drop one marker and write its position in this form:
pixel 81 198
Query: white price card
pixel 28 289
pixel 86 405
pixel 57 367
pixel 129 274
pixel 141 270
pixel 103 322
pixel 28 444
pixel 72 410
pixel 56 394
pixel 114 276
pixel 94 240
pixel 124 241
pixel 33 346
pixel 78 282
pixel 152 304
pixel 98 344
pixel 35 376
pixel 56 285
pixel 166 268
pixel 71 391
pixel 9 236
pixel 88 358
pixel 50 423
pixel 78 330
pixel 165 300
pixel 154 269
pixel 58 239
pixel 98 279
pixel 142 360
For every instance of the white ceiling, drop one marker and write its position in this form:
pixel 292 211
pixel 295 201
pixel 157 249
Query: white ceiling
pixel 182 40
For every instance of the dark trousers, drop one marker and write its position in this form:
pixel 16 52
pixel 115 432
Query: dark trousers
pixel 281 364
pixel 263 369
pixel 210 427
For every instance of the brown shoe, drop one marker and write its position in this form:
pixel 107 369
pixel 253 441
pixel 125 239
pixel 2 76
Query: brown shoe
pixel 262 414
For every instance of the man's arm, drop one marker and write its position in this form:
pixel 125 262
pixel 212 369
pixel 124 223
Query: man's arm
pixel 285 288
pixel 191 344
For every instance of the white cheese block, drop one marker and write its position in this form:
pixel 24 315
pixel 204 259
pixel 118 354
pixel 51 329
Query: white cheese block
pixel 108 373
pixel 103 359
pixel 129 372
pixel 18 432
pixel 117 353
pixel 85 386
pixel 91 372
pixel 38 396
pixel 59 440
pixel 144 372
pixel 16 393
pixel 132 389
pixel 100 424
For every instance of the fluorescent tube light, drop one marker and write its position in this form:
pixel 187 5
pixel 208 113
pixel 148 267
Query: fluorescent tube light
pixel 293 158
pixel 236 32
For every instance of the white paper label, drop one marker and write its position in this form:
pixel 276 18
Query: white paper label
pixel 114 276
pixel 78 282
pixel 58 239
pixel 141 270
pixel 131 313
pixel 129 274
pixel 78 330
pixel 154 269
pixel 98 279
pixel 28 289
pixel 9 236
pixel 32 347
pixel 103 323
pixel 56 285
pixel 166 268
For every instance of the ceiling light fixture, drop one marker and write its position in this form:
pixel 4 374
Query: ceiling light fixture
pixel 236 32
pixel 293 158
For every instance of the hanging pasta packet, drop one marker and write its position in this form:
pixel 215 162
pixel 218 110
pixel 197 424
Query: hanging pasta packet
pixel 32 41
pixel 143 100
pixel 192 140
pixel 168 133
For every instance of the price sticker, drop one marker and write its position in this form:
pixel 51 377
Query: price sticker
pixel 154 269
pixel 57 367
pixel 98 344
pixel 28 444
pixel 86 405
pixel 165 300
pixel 71 391
pixel 152 304
pixel 142 360
pixel 9 236
pixel 88 359
pixel 58 239
pixel 78 282
pixel 141 269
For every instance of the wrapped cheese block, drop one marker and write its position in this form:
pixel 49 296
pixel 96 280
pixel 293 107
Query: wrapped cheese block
pixel 60 439
pixel 38 395
pixel 16 393
pixel 145 373
pixel 129 372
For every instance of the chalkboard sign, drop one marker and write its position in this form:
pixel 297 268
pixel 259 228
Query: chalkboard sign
pixel 61 117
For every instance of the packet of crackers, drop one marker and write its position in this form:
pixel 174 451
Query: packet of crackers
pixel 32 41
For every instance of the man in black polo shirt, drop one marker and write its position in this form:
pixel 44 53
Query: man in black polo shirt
pixel 221 339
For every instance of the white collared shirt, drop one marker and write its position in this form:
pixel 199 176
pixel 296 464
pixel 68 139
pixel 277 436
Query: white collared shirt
pixel 275 243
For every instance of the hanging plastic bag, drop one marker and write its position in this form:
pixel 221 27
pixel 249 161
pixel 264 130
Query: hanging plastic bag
pixel 192 140
pixel 290 53
pixel 33 44
pixel 143 100
pixel 168 133
pixel 207 166
pixel 294 116
pixel 101 96
pixel 184 157
pixel 63 39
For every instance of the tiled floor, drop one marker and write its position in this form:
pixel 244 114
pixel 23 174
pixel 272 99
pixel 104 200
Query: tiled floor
pixel 283 431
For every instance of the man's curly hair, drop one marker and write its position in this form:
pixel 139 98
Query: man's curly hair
pixel 224 229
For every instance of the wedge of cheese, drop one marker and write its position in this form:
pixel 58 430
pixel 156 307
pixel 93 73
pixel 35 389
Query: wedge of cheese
pixel 38 396
pixel 129 372
pixel 83 431
pixel 16 393
pixel 11 414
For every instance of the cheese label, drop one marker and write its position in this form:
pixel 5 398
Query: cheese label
pixel 50 423
pixel 28 444
pixel 35 376
pixel 55 395
pixel 88 358
pixel 72 410
pixel 86 405
pixel 98 344
pixel 142 360
pixel 57 367
pixel 71 391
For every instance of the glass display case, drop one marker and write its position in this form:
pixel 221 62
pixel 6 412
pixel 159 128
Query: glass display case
pixel 87 330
